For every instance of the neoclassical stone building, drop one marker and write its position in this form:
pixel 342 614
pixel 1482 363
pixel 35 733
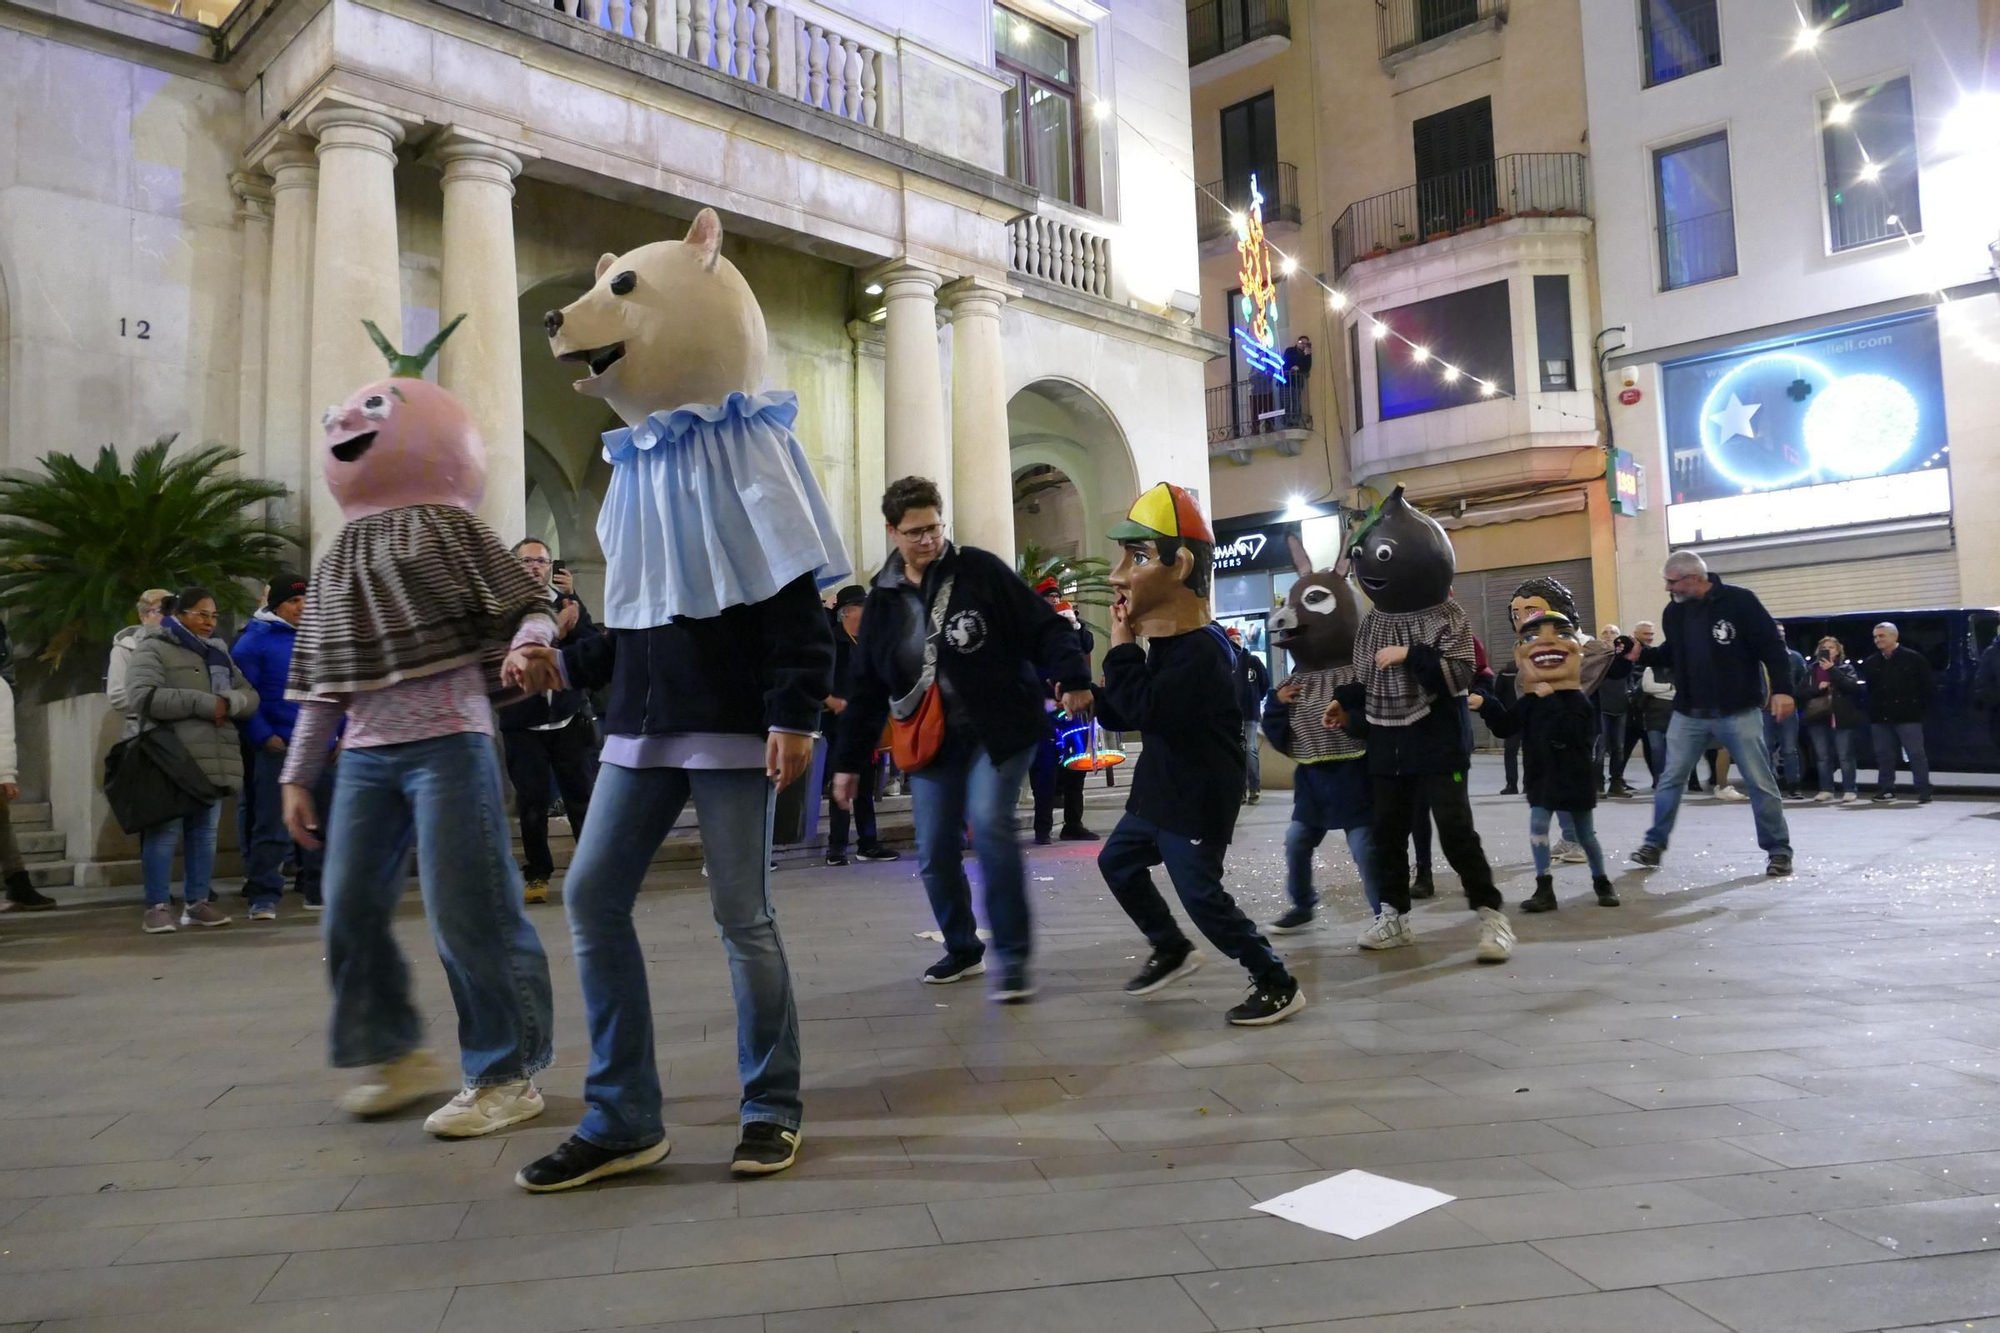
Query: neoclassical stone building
pixel 971 226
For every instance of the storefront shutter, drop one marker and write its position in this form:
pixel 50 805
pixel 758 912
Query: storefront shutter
pixel 1927 579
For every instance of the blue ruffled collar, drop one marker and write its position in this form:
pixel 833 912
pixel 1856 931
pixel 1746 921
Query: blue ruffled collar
pixel 778 408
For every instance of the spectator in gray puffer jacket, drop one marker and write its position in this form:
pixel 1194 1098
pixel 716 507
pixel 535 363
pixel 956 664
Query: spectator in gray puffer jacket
pixel 181 676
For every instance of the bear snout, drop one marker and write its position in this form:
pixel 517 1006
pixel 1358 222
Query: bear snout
pixel 552 321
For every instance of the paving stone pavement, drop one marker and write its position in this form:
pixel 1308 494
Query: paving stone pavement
pixel 1733 1103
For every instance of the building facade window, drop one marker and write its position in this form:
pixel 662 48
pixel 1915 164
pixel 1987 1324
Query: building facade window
pixel 1870 141
pixel 1250 147
pixel 1681 37
pixel 1555 341
pixel 1472 330
pixel 1696 212
pixel 1044 132
pixel 1455 173
pixel 1833 13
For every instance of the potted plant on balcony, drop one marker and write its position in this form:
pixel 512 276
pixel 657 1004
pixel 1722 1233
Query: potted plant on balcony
pixel 1377 252
pixel 1404 236
pixel 1437 229
pixel 1502 216
pixel 1564 213
pixel 1533 213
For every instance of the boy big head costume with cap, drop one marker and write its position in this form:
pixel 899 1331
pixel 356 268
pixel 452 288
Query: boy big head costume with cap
pixel 1414 661
pixel 1331 788
pixel 409 615
pixel 1179 692
pixel 718 654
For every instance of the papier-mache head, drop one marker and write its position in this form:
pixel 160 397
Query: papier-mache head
pixel 1402 557
pixel 668 325
pixel 1317 623
pixel 1166 564
pixel 402 441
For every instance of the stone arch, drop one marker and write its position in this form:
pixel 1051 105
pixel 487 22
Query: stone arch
pixel 1055 422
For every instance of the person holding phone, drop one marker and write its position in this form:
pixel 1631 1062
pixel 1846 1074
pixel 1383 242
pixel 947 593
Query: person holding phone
pixel 1831 707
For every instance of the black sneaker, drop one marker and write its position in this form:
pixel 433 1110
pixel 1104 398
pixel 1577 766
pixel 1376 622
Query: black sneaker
pixel 1163 968
pixel 1014 987
pixel 1076 833
pixel 1043 840
pixel 1423 886
pixel 1884 797
pixel 1270 1004
pixel 1544 897
pixel 1925 799
pixel 1779 865
pixel 1647 855
pixel 1622 790
pixel 953 967
pixel 836 859
pixel 1292 922
pixel 1510 790
pixel 872 854
pixel 23 896
pixel 1253 798
pixel 579 1161
pixel 765 1149
pixel 1606 895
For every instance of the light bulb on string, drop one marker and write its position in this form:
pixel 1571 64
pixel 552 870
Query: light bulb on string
pixel 1840 113
pixel 1288 266
pixel 1336 300
pixel 1451 374
pixel 1379 330
pixel 1870 171
pixel 1487 388
pixel 1420 354
pixel 1808 38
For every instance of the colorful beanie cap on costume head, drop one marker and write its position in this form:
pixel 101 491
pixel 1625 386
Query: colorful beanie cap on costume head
pixel 1165 512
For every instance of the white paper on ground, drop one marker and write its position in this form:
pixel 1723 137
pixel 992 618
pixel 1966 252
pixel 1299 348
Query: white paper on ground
pixel 1354 1204
pixel 937 936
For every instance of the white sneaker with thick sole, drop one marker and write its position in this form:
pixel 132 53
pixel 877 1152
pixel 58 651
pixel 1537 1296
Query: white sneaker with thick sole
pixel 1824 798
pixel 1568 853
pixel 477 1111
pixel 1730 794
pixel 1389 930
pixel 1496 936
pixel 391 1087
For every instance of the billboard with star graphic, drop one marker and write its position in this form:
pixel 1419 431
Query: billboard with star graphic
pixel 1839 429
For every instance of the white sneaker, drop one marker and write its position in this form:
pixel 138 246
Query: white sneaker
pixel 1729 794
pixel 477 1111
pixel 1568 853
pixel 393 1086
pixel 1389 930
pixel 1496 937
pixel 1852 798
pixel 1824 798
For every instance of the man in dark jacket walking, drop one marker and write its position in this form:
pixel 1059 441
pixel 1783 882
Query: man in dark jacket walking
pixel 1900 686
pixel 1253 682
pixel 263 653
pixel 550 740
pixel 1723 647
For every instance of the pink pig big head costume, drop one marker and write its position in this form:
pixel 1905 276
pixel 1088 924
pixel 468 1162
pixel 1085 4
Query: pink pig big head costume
pixel 403 441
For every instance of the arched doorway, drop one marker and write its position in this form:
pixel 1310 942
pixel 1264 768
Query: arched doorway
pixel 1073 472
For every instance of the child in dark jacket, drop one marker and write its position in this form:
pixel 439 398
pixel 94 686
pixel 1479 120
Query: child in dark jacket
pixel 1180 694
pixel 1558 729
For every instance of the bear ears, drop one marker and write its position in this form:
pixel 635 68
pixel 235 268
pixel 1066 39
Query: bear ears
pixel 705 236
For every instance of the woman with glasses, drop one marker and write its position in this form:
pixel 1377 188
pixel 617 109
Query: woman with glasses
pixel 961 621
pixel 182 677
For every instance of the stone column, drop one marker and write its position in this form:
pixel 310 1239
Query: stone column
pixel 870 543
pixel 914 442
pixel 253 210
pixel 982 479
pixel 356 276
pixel 294 172
pixel 482 361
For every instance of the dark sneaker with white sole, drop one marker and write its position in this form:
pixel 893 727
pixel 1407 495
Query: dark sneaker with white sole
pixel 579 1161
pixel 1779 865
pixel 1268 1004
pixel 1165 967
pixel 765 1149
pixel 877 854
pixel 1014 988
pixel 1292 922
pixel 1647 855
pixel 953 967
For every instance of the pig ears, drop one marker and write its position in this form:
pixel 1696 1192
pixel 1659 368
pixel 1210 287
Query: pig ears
pixel 705 236
pixel 1300 560
pixel 604 263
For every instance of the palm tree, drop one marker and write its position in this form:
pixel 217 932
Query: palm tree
pixel 77 543
pixel 1085 580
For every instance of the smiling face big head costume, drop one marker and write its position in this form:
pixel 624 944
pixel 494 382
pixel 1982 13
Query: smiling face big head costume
pixel 1166 563
pixel 1548 650
pixel 712 503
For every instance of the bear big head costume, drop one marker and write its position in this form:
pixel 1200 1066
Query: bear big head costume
pixel 712 503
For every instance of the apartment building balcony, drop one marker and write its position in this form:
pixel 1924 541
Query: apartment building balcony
pixel 1228 35
pixel 1258 413
pixel 1519 185
pixel 1405 28
pixel 1218 202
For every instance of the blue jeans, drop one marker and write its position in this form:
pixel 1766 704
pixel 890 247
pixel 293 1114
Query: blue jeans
pixel 1656 754
pixel 1579 826
pixel 156 856
pixel 1781 741
pixel 961 783
pixel 1742 734
pixel 1892 740
pixel 1826 742
pixel 630 813
pixel 270 844
pixel 1127 862
pixel 1302 840
pixel 443 794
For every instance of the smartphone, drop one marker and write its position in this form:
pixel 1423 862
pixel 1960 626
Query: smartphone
pixel 558 568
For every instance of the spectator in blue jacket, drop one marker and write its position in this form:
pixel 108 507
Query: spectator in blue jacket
pixel 263 653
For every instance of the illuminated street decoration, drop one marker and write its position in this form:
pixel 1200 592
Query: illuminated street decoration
pixel 1260 293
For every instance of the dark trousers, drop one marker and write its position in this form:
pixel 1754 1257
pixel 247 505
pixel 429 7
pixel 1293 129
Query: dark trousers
pixel 1510 755
pixel 1420 832
pixel 540 764
pixel 271 845
pixel 1396 807
pixel 1051 782
pixel 1127 860
pixel 862 816
pixel 1613 747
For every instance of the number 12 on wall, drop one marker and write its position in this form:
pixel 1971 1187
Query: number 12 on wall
pixel 140 328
